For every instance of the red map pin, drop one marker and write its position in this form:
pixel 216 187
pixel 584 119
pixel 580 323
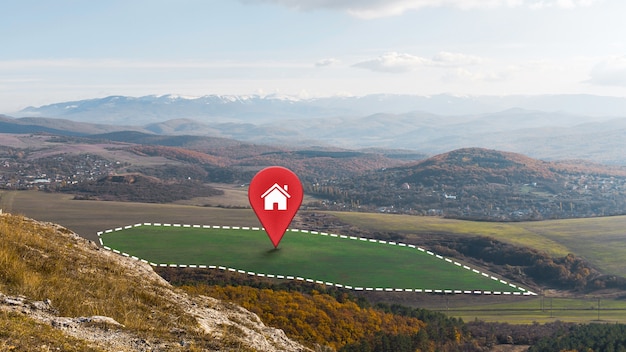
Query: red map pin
pixel 275 194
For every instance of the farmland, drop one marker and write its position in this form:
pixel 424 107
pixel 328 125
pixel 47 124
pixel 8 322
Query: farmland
pixel 556 236
pixel 317 256
pixel 545 310
pixel 598 240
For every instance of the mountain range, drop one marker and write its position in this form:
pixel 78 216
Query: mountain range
pixel 255 108
pixel 548 127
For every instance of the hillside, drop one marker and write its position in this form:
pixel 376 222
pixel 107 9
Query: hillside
pixel 75 164
pixel 139 188
pixel 468 183
pixel 486 184
pixel 61 291
pixel 476 166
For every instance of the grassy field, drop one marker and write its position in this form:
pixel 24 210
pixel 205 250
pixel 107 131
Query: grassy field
pixel 545 310
pixel 334 259
pixel 602 241
pixel 599 240
pixel 88 217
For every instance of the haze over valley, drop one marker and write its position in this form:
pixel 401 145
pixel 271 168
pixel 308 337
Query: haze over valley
pixel 547 127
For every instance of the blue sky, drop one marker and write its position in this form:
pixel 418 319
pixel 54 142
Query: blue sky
pixel 62 50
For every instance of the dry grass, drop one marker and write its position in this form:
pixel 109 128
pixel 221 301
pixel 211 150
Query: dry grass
pixel 38 263
pixel 42 262
pixel 88 217
pixel 19 333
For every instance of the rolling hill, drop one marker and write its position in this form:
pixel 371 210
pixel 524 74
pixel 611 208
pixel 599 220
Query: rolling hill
pixel 487 184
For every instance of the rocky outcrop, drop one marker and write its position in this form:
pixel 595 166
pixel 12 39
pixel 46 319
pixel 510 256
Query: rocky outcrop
pixel 221 326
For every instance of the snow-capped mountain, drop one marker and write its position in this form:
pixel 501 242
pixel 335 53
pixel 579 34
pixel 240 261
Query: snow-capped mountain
pixel 264 109
pixel 153 108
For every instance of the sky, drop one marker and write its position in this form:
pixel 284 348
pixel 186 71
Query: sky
pixel 65 50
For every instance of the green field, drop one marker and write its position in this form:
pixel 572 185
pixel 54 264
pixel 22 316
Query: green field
pixel 545 310
pixel 335 259
pixel 601 241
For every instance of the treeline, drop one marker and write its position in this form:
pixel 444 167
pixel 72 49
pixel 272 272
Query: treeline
pixel 315 319
pixel 569 272
pixel 138 188
pixel 491 334
pixel 202 173
pixel 585 338
pixel 441 333
pixel 325 316
pixel 177 153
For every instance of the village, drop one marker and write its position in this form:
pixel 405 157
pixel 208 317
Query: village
pixel 574 195
pixel 52 172
pixel 582 195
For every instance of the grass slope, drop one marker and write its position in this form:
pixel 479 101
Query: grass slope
pixel 598 240
pixel 345 261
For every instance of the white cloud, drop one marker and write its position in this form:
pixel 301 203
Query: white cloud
pixel 393 62
pixel 400 62
pixel 565 4
pixel 445 58
pixel 327 62
pixel 476 76
pixel 382 8
pixel 610 72
pixel 77 64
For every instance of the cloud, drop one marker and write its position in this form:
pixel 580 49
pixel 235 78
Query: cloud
pixel 476 76
pixel 610 72
pixel 564 4
pixel 393 62
pixel 383 8
pixel 400 62
pixel 327 62
pixel 76 64
pixel 445 58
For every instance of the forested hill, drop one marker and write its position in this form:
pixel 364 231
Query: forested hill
pixel 475 166
pixel 487 184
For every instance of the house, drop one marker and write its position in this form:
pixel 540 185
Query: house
pixel 276 196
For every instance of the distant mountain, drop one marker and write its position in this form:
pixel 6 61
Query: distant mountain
pixel 154 109
pixel 10 125
pixel 549 127
pixel 58 126
pixel 257 109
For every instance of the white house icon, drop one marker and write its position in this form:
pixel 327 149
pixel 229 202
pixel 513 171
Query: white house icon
pixel 276 195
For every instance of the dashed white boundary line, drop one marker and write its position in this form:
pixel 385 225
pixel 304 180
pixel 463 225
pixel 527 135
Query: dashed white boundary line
pixel 522 291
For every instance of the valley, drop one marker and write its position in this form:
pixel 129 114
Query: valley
pixel 89 217
pixel 313 176
pixel 540 224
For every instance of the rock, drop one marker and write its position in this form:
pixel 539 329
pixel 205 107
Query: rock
pixel 63 323
pixel 99 319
